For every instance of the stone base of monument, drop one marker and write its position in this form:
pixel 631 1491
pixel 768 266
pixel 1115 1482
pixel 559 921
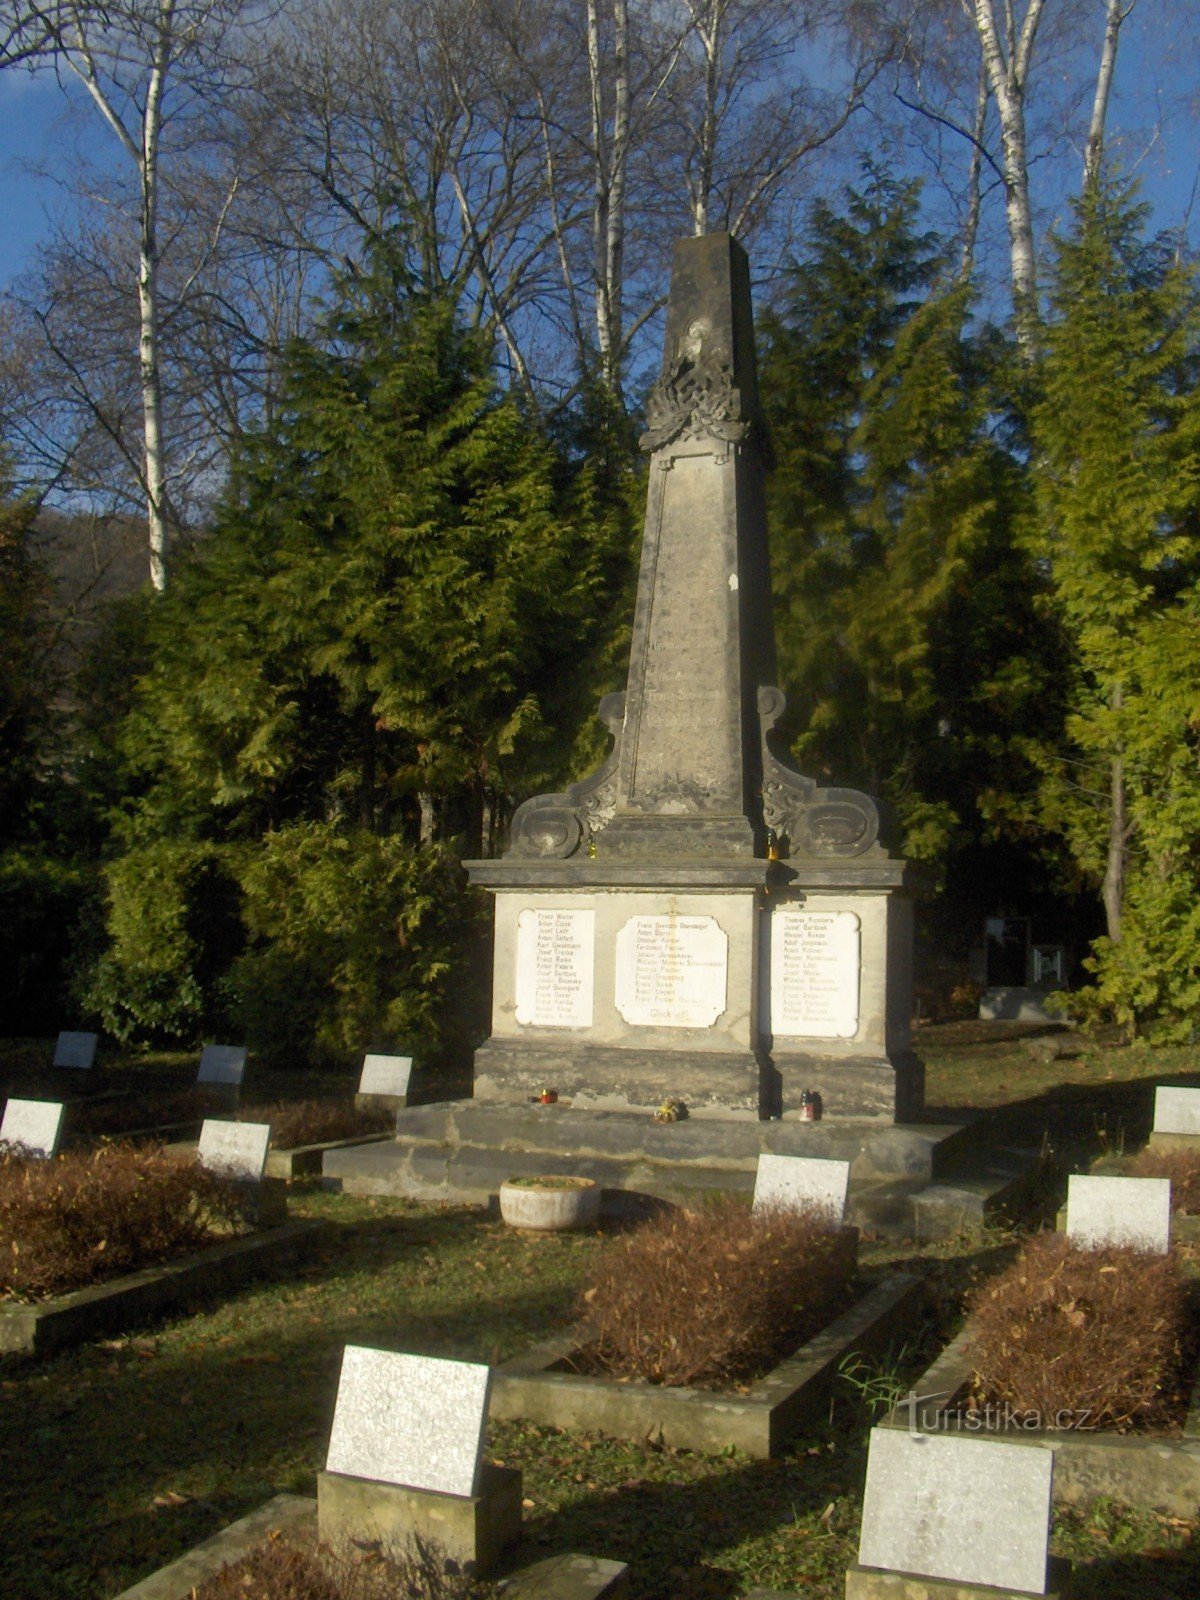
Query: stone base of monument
pixel 465 1149
pixel 1187 1142
pixel 875 1583
pixel 475 1529
pixel 568 1576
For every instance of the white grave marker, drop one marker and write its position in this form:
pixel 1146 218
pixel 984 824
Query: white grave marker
pixel 234 1149
pixel 385 1075
pixel 411 1420
pixel 36 1124
pixel 1177 1111
pixel 968 1510
pixel 672 971
pixel 556 953
pixel 815 960
pixel 75 1050
pixel 802 1183
pixel 1119 1211
pixel 222 1063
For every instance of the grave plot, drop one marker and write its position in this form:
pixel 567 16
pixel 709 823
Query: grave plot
pixel 97 1240
pixel 303 1130
pixel 1086 1346
pixel 1172 1155
pixel 742 1321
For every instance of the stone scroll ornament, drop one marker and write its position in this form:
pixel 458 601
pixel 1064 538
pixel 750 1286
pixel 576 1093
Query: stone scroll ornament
pixel 554 826
pixel 805 819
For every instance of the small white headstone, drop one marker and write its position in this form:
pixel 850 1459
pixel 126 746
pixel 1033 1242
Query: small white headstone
pixel 385 1075
pixel 802 1183
pixel 969 1510
pixel 412 1420
pixel 75 1050
pixel 36 1124
pixel 234 1149
pixel 1135 1212
pixel 222 1063
pixel 1177 1111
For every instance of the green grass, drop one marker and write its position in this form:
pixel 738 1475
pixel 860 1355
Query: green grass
pixel 120 1456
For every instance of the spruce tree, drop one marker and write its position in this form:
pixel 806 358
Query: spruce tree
pixel 1116 433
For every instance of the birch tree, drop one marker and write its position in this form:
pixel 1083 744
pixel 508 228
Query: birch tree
pixel 140 63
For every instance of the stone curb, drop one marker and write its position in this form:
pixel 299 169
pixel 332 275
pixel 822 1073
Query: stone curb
pixel 304 1160
pixel 762 1422
pixel 561 1577
pixel 121 1303
pixel 1147 1471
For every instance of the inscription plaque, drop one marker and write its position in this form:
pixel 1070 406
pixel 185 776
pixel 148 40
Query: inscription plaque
pixel 672 971
pixel 555 961
pixel 814 974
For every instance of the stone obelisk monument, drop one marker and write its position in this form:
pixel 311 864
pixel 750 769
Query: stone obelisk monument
pixel 696 921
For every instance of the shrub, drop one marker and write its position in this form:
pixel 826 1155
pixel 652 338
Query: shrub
pixel 90 1215
pixel 173 919
pixel 1182 1167
pixel 280 1570
pixel 1069 1330
pixel 297 1122
pixel 43 904
pixel 714 1295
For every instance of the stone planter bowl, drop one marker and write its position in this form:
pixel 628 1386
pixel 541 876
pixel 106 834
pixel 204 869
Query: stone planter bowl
pixel 574 1204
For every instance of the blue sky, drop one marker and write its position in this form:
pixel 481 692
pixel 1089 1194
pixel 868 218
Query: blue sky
pixel 1155 128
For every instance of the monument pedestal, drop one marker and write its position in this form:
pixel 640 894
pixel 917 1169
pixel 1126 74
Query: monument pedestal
pixel 471 1529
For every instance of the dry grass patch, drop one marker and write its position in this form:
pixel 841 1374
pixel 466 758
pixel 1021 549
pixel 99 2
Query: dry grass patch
pixel 1182 1167
pixel 90 1215
pixel 1063 1330
pixel 281 1570
pixel 713 1296
pixel 298 1122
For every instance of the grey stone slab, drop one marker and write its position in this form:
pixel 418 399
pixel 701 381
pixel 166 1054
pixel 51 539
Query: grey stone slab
pixel 1119 1211
pixel 383 1074
pixel 235 1149
pixel 412 1420
pixel 803 1183
pixel 76 1050
pixel 36 1124
pixel 968 1510
pixel 1176 1110
pixel 222 1063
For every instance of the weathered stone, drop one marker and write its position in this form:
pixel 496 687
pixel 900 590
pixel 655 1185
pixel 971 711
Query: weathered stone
pixel 222 1064
pixel 672 846
pixel 803 1183
pixel 869 1583
pixel 386 1075
pixel 1176 1110
pixel 411 1420
pixel 474 1529
pixel 1119 1211
pixel 234 1149
pixel 35 1124
pixel 77 1050
pixel 968 1510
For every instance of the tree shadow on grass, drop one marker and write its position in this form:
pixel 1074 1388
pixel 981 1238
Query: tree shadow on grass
pixel 1166 1575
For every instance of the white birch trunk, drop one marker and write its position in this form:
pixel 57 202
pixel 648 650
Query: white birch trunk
pixel 1115 13
pixel 1007 63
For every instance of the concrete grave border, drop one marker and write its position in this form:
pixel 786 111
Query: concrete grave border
pixel 136 1297
pixel 561 1577
pixel 762 1422
pixel 1143 1470
pixel 305 1160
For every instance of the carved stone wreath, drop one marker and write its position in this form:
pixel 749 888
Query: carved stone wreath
pixel 696 399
